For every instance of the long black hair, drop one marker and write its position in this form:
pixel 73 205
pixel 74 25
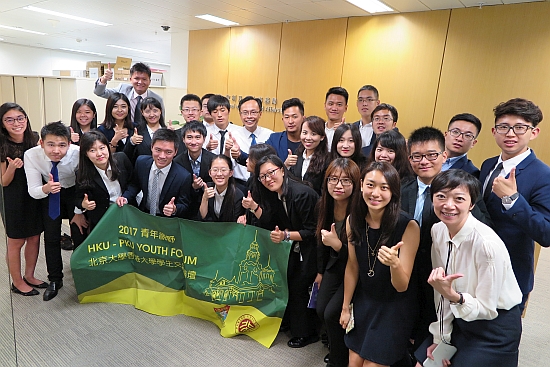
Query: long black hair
pixel 320 156
pixel 393 140
pixel 152 102
pixel 109 121
pixel 360 209
pixel 74 123
pixel 228 215
pixel 358 157
pixel 86 169
pixel 29 139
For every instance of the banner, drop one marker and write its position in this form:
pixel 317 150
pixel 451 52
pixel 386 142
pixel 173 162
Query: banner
pixel 226 273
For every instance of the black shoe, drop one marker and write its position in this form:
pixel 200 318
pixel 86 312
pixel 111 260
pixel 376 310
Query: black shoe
pixel 66 242
pixel 52 289
pixel 302 341
pixel 327 358
pixel 42 285
pixel 33 292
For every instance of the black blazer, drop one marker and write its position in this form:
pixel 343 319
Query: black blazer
pixel 314 178
pixel 144 148
pixel 237 206
pixel 99 193
pixel 465 164
pixel 110 133
pixel 196 195
pixel 178 185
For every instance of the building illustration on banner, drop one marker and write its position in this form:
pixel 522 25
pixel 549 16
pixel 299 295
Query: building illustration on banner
pixel 251 283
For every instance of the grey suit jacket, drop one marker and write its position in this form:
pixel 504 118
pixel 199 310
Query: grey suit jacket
pixel 101 90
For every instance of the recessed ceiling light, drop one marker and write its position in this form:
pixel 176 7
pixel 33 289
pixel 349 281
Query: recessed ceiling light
pixel 159 63
pixel 68 16
pixel 214 19
pixel 82 52
pixel 372 6
pixel 21 30
pixel 130 49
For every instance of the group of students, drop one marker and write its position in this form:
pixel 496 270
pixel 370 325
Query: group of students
pixel 402 251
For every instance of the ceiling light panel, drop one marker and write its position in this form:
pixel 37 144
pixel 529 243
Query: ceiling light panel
pixel 21 30
pixel 67 16
pixel 212 18
pixel 130 49
pixel 371 6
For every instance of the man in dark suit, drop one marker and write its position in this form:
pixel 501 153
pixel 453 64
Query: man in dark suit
pixel 293 117
pixel 140 76
pixel 384 118
pixel 517 188
pixel 426 155
pixel 196 160
pixel 367 100
pixel 166 186
pixel 460 137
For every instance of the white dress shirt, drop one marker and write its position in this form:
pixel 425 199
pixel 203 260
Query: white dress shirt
pixel 113 187
pixel 244 139
pixel 488 283
pixel 329 132
pixel 305 164
pixel 215 131
pixel 366 133
pixel 218 201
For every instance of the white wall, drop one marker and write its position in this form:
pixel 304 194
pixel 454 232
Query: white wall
pixel 179 59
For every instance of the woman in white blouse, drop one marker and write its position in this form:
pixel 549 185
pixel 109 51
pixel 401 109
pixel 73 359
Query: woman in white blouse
pixel 476 292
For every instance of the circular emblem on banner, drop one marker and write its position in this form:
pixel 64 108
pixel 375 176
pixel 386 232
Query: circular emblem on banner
pixel 246 323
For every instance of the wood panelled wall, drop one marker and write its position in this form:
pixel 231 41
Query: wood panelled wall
pixel 430 65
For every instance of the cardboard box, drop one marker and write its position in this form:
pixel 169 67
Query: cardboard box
pixel 123 63
pixel 70 73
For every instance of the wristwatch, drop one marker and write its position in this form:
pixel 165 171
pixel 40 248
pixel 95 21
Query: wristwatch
pixel 460 300
pixel 253 211
pixel 510 199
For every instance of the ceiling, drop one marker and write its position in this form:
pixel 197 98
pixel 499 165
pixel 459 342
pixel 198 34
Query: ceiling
pixel 137 23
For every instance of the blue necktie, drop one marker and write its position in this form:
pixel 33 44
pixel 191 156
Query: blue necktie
pixel 195 166
pixel 54 207
pixel 253 140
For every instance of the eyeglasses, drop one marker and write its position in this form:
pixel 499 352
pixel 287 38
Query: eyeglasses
pixel 383 118
pixel 366 100
pixel 455 133
pixel 344 181
pixel 269 173
pixel 215 171
pixel 11 121
pixel 518 129
pixel 187 110
pixel 429 156
pixel 250 113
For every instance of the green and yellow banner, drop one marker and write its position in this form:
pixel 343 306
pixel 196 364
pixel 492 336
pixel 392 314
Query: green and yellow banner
pixel 226 273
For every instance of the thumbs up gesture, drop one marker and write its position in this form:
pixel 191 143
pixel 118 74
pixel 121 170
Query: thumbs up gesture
pixel 208 192
pixel 75 138
pixel 336 124
pixel 249 203
pixel 170 126
pixel 197 182
pixel 136 138
pixel 212 143
pixel 277 236
pixel 107 76
pixel 229 142
pixel 235 149
pixel 330 238
pixel 505 186
pixel 170 208
pixel 389 256
pixel 291 159
pixel 443 283
pixel 88 204
pixel 51 187
pixel 14 163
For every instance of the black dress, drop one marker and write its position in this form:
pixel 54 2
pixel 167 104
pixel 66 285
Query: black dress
pixel 21 212
pixel 383 317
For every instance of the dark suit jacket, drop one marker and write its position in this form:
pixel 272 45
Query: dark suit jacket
pixel 144 148
pixel 528 220
pixel 279 141
pixel 314 178
pixel 196 195
pixel 99 193
pixel 237 206
pixel 110 133
pixel 178 185
pixel 466 165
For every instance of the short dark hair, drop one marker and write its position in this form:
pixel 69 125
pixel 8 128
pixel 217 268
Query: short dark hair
pixel 425 134
pixel 140 67
pixel 168 135
pixel 152 102
pixel 523 108
pixel 466 117
pixel 338 91
pixel 250 98
pixel 369 87
pixel 256 152
pixel 453 178
pixel 392 139
pixel 195 126
pixel 217 100
pixel 206 96
pixel 56 129
pixel 86 170
pixel 79 103
pixel 190 97
pixel 293 102
pixel 386 106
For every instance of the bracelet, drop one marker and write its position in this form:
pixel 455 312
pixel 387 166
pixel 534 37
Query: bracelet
pixel 287 236
pixel 460 300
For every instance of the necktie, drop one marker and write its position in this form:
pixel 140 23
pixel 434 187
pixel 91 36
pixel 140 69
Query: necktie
pixel 195 166
pixel 426 209
pixel 222 141
pixel 54 207
pixel 138 117
pixel 253 140
pixel 489 186
pixel 154 195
